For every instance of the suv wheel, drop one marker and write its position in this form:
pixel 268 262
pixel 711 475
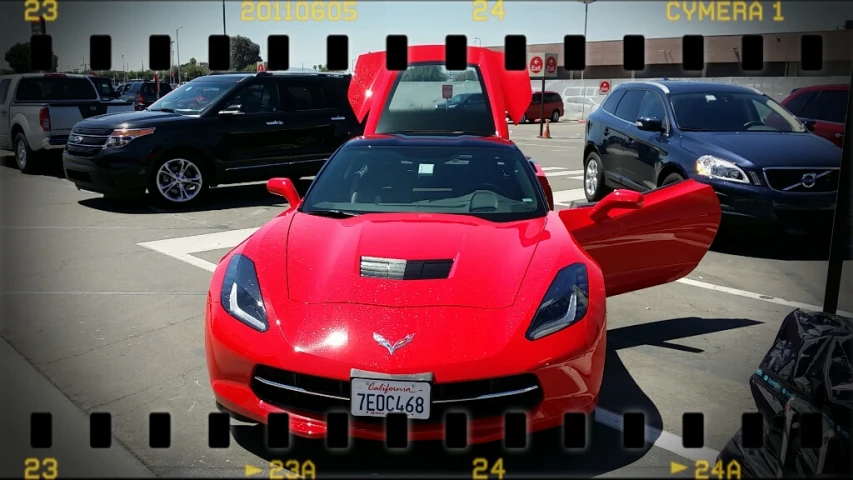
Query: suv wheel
pixel 555 116
pixel 593 178
pixel 178 181
pixel 23 154
pixel 671 178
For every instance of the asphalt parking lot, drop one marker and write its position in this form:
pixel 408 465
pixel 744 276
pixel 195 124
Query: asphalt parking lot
pixel 103 311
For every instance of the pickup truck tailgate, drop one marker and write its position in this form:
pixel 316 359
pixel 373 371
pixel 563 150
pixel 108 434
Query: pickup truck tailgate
pixel 64 115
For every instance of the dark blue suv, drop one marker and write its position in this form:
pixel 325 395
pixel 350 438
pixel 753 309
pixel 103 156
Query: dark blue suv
pixel 765 165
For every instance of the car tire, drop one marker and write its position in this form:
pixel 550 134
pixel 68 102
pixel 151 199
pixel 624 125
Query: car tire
pixel 671 178
pixel 523 119
pixel 24 155
pixel 188 177
pixel 555 116
pixel 593 178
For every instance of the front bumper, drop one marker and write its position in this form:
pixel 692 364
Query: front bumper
pixel 568 372
pixel 758 205
pixel 111 172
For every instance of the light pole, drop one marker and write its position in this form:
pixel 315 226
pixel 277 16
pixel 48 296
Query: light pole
pixel 171 59
pixel 123 68
pixel 178 53
pixel 583 82
pixel 223 18
pixel 479 41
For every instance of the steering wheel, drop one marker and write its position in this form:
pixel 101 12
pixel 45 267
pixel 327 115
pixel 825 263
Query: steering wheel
pixel 754 123
pixel 491 187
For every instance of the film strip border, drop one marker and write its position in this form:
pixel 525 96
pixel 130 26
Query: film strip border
pixel 576 430
pixel 396 46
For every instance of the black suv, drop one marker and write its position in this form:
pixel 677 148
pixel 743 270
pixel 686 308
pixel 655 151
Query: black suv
pixel 142 93
pixel 218 129
pixel 766 166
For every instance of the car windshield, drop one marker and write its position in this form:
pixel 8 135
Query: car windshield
pixel 192 98
pixel 429 98
pixel 495 184
pixel 732 112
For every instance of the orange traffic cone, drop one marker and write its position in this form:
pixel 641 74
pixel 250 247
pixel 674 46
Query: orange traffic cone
pixel 546 133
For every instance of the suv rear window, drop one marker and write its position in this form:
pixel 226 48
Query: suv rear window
pixel 48 89
pixel 105 87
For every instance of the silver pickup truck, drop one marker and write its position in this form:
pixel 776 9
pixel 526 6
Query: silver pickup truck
pixel 38 111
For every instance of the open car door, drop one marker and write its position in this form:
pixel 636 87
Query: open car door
pixel 373 85
pixel 642 240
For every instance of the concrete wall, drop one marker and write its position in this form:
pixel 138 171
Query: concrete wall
pixel 580 97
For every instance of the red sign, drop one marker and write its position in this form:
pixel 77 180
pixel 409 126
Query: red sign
pixel 447 91
pixel 604 86
pixel 551 65
pixel 535 65
pixel 261 66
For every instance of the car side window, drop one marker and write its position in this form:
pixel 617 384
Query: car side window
pixel 652 107
pixel 537 98
pixel 828 106
pixel 612 101
pixel 4 90
pixel 301 97
pixel 629 107
pixel 257 98
pixel 798 103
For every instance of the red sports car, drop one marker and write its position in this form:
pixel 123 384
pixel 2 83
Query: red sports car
pixel 426 271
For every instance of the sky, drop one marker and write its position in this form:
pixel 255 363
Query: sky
pixel 130 24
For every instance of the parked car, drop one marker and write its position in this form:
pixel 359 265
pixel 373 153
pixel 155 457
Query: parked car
pixel 462 101
pixel 37 112
pixel 105 87
pixel 764 164
pixel 553 107
pixel 214 130
pixel 824 105
pixel 143 93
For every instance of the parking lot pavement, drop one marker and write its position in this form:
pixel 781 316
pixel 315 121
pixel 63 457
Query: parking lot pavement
pixel 101 299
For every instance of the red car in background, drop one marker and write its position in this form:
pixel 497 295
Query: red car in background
pixel 426 272
pixel 554 108
pixel 825 105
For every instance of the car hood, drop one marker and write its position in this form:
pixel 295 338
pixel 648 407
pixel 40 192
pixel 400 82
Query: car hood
pixel 133 119
pixel 764 149
pixel 490 260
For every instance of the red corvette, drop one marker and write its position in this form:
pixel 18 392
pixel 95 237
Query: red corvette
pixel 426 271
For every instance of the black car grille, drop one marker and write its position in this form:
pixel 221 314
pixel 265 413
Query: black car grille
pixel 796 180
pixel 104 132
pixel 87 142
pixel 318 395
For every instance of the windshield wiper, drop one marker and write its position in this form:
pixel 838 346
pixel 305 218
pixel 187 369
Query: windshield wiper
pixel 333 213
pixel 167 110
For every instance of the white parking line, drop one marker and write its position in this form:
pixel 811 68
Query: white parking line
pixel 659 438
pixel 566 197
pixel 564 173
pixel 577 178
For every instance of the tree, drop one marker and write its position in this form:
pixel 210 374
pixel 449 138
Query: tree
pixel 18 58
pixel 244 52
pixel 431 73
pixel 321 68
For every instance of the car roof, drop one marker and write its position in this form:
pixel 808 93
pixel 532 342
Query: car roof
pixel 811 88
pixel 240 76
pixel 464 141
pixel 687 86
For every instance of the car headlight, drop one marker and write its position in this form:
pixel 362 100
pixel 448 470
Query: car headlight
pixel 123 136
pixel 241 293
pixel 713 167
pixel 565 302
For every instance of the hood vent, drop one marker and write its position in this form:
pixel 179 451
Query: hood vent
pixel 395 269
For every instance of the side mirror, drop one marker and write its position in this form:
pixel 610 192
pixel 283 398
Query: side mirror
pixel 232 110
pixel 809 124
pixel 649 124
pixel 628 199
pixel 283 187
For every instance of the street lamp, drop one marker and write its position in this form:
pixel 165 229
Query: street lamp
pixel 178 53
pixel 583 83
pixel 223 18
pixel 479 41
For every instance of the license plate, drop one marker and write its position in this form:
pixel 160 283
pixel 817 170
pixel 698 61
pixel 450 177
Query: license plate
pixel 378 398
